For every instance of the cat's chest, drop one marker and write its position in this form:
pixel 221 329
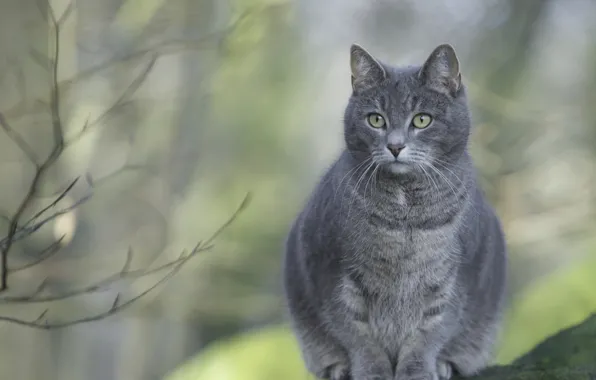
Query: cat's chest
pixel 393 316
pixel 396 272
pixel 393 302
pixel 405 242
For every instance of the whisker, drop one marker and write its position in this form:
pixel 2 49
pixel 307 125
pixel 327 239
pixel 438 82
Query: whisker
pixel 428 176
pixel 444 177
pixel 443 164
pixel 366 185
pixel 350 173
pixel 355 189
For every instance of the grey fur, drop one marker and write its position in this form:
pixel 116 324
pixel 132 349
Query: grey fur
pixel 395 269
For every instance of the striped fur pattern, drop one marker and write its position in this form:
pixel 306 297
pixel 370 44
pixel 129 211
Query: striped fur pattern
pixel 396 267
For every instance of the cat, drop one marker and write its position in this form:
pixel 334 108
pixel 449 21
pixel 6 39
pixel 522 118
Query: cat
pixel 395 269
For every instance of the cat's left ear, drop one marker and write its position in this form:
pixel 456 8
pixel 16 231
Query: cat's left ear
pixel 441 70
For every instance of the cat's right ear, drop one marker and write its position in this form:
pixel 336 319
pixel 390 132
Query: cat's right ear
pixel 367 72
pixel 441 70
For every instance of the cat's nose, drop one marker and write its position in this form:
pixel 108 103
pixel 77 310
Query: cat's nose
pixel 395 149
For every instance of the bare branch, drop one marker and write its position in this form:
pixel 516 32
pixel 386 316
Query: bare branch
pixel 41 287
pixel 127 93
pixel 126 265
pixel 40 323
pixel 19 229
pixel 51 159
pixel 43 314
pixel 242 207
pixel 28 229
pixel 18 139
pixel 54 203
pixel 173 266
pixel 33 224
pixel 55 93
pixel 160 49
pixel 45 254
pixel 66 14
pixel 115 303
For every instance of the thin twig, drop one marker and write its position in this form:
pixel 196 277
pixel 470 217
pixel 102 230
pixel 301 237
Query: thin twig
pixel 18 139
pixel 27 229
pixel 45 254
pixel 160 49
pixel 40 323
pixel 125 273
pixel 55 97
pixel 128 92
pixel 54 203
pixel 242 207
pixel 117 305
pixel 67 12
pixel 51 159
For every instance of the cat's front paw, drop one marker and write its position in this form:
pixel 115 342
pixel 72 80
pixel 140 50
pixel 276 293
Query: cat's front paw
pixel 372 368
pixel 338 372
pixel 418 376
pixel 444 370
pixel 415 370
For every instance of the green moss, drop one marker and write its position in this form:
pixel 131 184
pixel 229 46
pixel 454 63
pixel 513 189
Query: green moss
pixel 568 355
pixel 266 354
pixel 573 347
pixel 553 303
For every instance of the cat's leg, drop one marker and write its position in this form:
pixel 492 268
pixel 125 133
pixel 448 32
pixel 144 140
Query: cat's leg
pixel 419 357
pixel 348 318
pixel 422 364
pixel 471 350
pixel 323 356
pixel 467 359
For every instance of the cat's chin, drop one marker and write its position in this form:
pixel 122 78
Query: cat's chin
pixel 398 168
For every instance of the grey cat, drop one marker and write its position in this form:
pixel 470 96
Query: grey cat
pixel 396 267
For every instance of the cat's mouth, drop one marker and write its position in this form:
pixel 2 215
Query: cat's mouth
pixel 398 166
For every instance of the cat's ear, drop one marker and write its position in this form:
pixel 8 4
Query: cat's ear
pixel 441 70
pixel 367 72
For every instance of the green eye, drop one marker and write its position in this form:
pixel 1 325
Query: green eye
pixel 376 121
pixel 421 120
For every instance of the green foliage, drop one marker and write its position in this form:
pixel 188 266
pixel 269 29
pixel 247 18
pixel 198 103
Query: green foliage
pixel 552 303
pixel 568 355
pixel 267 354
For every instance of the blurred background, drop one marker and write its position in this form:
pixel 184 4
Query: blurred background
pixel 172 111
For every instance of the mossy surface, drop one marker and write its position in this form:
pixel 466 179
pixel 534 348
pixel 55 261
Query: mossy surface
pixel 272 354
pixel 567 355
pixel 552 303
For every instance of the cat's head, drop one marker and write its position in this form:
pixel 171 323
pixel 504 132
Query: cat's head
pixel 407 118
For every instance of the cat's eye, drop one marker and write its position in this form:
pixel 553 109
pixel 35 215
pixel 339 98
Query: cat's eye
pixel 376 121
pixel 421 120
